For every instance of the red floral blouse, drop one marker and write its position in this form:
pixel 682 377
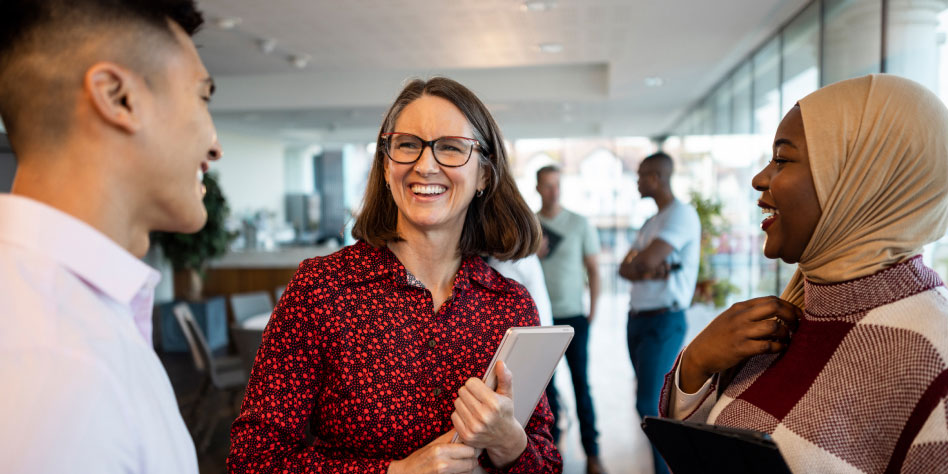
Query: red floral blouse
pixel 354 353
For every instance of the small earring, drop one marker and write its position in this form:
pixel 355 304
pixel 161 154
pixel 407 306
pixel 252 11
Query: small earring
pixel 387 186
pixel 480 192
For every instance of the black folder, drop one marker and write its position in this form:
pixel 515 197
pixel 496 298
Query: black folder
pixel 552 239
pixel 690 447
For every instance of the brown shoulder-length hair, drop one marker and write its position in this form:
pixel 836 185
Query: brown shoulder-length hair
pixel 498 223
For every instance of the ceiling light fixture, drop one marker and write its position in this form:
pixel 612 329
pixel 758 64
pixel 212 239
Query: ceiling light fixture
pixel 537 5
pixel 228 22
pixel 654 81
pixel 550 48
pixel 266 45
pixel 299 61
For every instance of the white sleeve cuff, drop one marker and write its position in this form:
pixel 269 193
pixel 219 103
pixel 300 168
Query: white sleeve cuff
pixel 684 404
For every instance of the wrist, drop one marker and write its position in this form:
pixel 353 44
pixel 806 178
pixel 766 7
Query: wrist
pixel 504 455
pixel 692 375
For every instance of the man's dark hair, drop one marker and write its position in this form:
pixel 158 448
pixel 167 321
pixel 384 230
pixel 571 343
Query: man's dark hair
pixel 547 169
pixel 47 45
pixel 662 164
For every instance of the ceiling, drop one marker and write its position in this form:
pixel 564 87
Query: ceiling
pixel 360 52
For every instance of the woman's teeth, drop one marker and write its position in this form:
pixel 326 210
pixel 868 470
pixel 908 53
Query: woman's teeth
pixel 200 180
pixel 428 189
pixel 769 211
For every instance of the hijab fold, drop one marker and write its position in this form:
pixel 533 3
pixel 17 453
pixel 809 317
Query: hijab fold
pixel 878 149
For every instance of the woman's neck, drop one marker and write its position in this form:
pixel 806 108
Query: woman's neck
pixel 432 257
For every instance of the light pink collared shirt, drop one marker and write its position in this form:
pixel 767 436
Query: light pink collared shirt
pixel 84 390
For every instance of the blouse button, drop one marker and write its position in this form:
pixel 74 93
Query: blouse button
pixel 436 392
pixel 432 343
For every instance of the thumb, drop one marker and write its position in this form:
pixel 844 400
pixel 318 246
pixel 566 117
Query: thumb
pixel 504 380
pixel 445 438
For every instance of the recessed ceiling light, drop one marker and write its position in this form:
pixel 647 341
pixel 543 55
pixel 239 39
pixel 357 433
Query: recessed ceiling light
pixel 266 45
pixel 299 61
pixel 551 48
pixel 228 22
pixel 537 5
pixel 654 81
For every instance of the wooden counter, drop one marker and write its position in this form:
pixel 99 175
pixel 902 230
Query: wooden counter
pixel 257 270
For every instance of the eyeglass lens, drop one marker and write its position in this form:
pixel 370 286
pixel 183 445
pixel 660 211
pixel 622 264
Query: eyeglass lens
pixel 449 151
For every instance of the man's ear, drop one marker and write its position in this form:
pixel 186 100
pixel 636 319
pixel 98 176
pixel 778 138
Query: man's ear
pixel 114 94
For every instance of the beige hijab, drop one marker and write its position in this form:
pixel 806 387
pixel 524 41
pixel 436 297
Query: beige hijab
pixel 878 150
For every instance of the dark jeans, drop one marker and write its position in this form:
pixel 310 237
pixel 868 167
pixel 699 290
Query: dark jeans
pixel 551 398
pixel 577 359
pixel 654 342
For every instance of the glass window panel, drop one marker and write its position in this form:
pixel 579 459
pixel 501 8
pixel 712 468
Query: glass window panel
pixel 722 108
pixel 801 55
pixel 852 38
pixel 741 103
pixel 767 88
pixel 943 54
pixel 913 40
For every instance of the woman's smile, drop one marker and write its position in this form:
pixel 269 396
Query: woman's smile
pixel 428 191
pixel 770 215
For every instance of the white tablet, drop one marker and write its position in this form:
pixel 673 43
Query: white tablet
pixel 531 354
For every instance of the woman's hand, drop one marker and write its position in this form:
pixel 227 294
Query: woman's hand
pixel 484 418
pixel 440 456
pixel 753 327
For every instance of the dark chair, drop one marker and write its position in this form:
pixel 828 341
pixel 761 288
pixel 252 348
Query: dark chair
pixel 224 374
pixel 247 341
pixel 246 305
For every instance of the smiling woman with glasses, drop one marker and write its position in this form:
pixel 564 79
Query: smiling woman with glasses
pixel 377 350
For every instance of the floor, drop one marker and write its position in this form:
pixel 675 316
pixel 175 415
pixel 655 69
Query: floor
pixel 623 447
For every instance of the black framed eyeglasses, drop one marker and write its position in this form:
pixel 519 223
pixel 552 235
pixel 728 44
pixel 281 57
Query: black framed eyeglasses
pixel 406 148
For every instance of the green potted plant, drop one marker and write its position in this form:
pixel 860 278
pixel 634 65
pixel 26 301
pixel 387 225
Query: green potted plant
pixel 189 253
pixel 709 289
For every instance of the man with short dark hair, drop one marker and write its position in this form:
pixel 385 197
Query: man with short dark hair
pixel 568 256
pixel 105 103
pixel 663 267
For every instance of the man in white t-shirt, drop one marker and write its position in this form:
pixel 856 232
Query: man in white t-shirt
pixel 105 103
pixel 663 268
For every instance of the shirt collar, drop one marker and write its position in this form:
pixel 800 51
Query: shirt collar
pixel 85 251
pixel 381 262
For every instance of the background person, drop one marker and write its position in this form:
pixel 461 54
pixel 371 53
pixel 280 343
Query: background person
pixel 858 183
pixel 105 104
pixel 528 272
pixel 663 267
pixel 377 350
pixel 568 257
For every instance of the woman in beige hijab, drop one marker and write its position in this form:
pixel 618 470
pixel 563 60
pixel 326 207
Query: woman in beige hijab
pixel 848 370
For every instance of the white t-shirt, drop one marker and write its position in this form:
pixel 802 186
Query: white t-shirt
pixel 528 272
pixel 677 225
